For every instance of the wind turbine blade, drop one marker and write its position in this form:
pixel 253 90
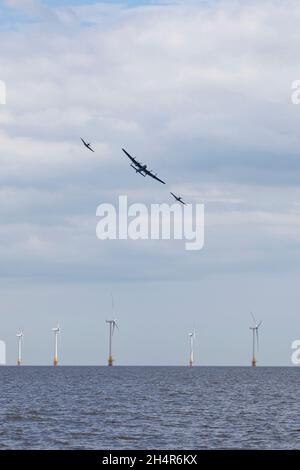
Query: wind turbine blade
pixel 114 323
pixel 253 317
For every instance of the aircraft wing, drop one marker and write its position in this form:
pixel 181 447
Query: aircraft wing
pixel 134 161
pixel 153 176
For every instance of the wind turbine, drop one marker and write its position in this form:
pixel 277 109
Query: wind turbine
pixel 255 339
pixel 20 337
pixel 192 336
pixel 112 326
pixel 56 332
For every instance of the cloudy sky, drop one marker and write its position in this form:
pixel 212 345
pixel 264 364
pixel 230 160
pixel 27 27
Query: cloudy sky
pixel 201 91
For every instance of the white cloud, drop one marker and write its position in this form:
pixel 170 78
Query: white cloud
pixel 200 93
pixel 32 8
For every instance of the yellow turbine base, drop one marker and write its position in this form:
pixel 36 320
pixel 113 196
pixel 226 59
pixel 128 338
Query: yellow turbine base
pixel 110 361
pixel 254 362
pixel 19 363
pixel 55 362
pixel 191 364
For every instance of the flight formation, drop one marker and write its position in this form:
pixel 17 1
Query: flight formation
pixel 140 168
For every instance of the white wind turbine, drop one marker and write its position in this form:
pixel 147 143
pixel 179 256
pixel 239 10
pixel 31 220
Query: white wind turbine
pixel 56 332
pixel 20 337
pixel 255 339
pixel 192 336
pixel 112 326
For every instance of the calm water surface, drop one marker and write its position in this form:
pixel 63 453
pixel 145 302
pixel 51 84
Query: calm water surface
pixel 149 407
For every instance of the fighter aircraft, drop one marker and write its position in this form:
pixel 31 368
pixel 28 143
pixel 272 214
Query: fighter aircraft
pixel 88 146
pixel 141 169
pixel 179 199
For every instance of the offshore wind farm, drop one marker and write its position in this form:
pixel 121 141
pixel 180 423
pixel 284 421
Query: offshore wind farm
pixel 113 326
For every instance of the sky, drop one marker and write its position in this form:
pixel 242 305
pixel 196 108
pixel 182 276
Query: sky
pixel 201 91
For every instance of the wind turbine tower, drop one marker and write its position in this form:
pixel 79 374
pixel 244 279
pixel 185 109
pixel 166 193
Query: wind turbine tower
pixel 255 339
pixel 20 337
pixel 56 332
pixel 192 337
pixel 112 326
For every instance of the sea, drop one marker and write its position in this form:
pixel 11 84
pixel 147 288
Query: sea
pixel 149 408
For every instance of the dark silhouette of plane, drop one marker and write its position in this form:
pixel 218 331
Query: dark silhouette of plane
pixel 179 199
pixel 142 169
pixel 88 146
